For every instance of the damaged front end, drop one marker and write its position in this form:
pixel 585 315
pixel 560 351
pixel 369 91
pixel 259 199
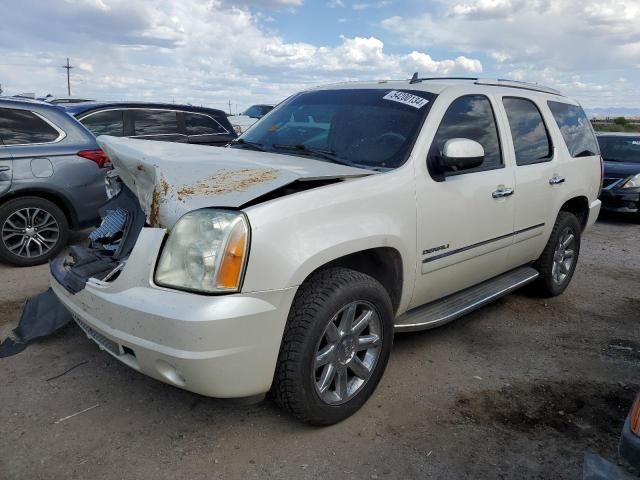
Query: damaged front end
pixel 109 245
pixel 103 259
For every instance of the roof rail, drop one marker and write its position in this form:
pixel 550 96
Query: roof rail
pixel 500 82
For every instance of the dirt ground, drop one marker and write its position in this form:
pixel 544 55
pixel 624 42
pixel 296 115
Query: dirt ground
pixel 520 389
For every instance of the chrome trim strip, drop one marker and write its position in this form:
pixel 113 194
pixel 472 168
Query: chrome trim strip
pixel 479 244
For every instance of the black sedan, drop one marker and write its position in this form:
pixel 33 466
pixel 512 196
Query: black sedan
pixel 621 187
pixel 154 121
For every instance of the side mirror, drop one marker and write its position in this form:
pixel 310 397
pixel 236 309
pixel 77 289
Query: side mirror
pixel 461 154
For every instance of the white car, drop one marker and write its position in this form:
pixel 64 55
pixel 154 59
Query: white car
pixel 246 119
pixel 287 261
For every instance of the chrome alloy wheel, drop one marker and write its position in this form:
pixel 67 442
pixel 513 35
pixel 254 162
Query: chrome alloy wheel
pixel 347 352
pixel 564 256
pixel 30 232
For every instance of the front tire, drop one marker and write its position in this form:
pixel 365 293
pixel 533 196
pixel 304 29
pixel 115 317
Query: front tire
pixel 335 346
pixel 32 230
pixel 560 256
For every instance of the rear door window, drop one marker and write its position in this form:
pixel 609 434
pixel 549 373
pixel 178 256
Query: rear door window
pixel 471 117
pixel 154 122
pixel 528 131
pixel 108 122
pixel 22 127
pixel 197 124
pixel 575 128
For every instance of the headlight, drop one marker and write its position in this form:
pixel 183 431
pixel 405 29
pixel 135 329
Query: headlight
pixel 206 251
pixel 633 182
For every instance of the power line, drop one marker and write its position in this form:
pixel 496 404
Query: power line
pixel 68 68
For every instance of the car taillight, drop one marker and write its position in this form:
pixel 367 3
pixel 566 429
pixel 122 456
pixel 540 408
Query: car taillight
pixel 96 155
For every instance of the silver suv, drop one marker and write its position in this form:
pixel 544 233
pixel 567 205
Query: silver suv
pixel 51 180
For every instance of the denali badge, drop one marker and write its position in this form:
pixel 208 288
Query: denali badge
pixel 435 249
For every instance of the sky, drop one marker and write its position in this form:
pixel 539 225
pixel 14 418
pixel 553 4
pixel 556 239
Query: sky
pixel 210 52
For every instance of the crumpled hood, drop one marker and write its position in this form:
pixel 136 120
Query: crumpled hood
pixel 171 179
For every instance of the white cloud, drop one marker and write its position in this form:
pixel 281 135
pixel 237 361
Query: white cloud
pixel 335 4
pixel 190 51
pixel 367 5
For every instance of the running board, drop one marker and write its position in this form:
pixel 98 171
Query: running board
pixel 454 306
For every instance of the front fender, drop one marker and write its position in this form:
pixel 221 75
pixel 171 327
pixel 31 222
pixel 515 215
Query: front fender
pixel 295 235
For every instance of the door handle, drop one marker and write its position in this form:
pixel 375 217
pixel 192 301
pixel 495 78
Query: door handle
pixel 4 168
pixel 502 192
pixel 556 180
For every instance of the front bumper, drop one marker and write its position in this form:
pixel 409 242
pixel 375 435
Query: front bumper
pixel 220 346
pixel 620 201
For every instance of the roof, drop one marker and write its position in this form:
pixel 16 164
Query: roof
pixel 24 102
pixel 439 84
pixel 79 108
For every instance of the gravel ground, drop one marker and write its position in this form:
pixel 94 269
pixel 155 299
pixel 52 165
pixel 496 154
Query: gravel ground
pixel 520 389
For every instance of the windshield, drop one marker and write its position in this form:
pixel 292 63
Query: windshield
pixel 373 128
pixel 620 149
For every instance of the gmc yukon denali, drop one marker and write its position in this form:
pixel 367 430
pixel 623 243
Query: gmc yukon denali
pixel 286 261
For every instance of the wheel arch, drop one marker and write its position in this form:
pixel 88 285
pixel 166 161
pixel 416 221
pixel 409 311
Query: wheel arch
pixel 382 263
pixel 54 197
pixel 579 206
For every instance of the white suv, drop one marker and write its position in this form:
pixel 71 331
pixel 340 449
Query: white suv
pixel 287 261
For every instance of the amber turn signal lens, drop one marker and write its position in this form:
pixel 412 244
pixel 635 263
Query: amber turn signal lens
pixel 233 259
pixel 634 417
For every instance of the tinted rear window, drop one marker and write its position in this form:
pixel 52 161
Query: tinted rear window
pixel 154 122
pixel 109 122
pixel 197 124
pixel 620 149
pixel 576 129
pixel 530 139
pixel 19 127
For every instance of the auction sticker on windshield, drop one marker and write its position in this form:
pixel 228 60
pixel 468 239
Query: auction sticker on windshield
pixel 406 98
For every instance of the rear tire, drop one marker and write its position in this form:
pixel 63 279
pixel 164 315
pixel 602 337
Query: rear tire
pixel 560 256
pixel 335 346
pixel 32 231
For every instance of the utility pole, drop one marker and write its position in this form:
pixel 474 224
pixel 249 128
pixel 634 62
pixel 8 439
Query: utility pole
pixel 230 108
pixel 68 68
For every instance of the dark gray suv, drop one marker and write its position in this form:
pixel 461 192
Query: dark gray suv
pixel 51 180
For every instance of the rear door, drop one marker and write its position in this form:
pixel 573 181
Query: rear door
pixel 531 150
pixel 203 129
pixel 156 124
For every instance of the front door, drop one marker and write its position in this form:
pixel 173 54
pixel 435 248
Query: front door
pixel 465 222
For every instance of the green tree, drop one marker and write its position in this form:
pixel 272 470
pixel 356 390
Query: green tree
pixel 620 121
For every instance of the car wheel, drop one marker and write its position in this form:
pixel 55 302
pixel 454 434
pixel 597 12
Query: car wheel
pixel 560 256
pixel 32 230
pixel 335 346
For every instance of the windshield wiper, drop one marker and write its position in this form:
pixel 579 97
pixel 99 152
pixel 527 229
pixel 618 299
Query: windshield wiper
pixel 316 152
pixel 251 145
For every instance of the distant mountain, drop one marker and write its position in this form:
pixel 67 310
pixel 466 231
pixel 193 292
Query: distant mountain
pixel 613 112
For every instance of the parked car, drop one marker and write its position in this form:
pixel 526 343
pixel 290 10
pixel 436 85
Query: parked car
pixel 51 180
pixel 155 121
pixel 246 119
pixel 621 186
pixel 287 261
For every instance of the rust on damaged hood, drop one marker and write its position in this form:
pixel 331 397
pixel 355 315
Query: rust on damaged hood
pixel 171 179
